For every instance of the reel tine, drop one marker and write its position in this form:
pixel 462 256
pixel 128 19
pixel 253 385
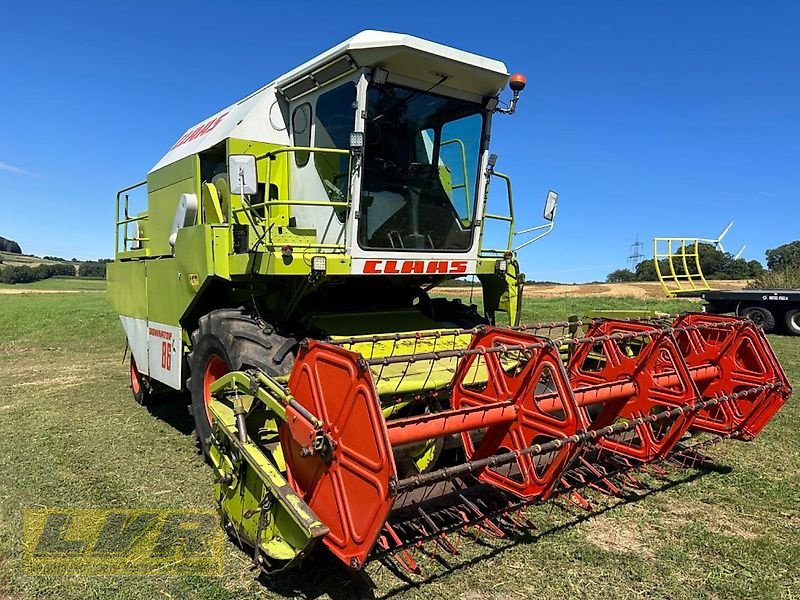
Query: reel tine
pixel 402 556
pixel 492 529
pixel 602 478
pixel 580 500
pixel 439 536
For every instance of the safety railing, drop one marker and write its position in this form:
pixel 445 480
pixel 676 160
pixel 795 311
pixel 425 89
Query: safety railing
pixel 688 275
pixel 126 220
pixel 506 218
pixel 257 221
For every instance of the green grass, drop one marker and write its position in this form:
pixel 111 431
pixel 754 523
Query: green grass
pixel 77 284
pixel 71 436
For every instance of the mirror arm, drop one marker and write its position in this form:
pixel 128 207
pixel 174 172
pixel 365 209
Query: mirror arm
pixel 548 227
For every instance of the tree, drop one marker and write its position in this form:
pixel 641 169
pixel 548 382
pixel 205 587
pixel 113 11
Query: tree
pixel 784 257
pixel 7 245
pixel 22 274
pixel 59 270
pixel 646 270
pixel 92 269
pixel 621 276
pixel 756 268
pixel 26 274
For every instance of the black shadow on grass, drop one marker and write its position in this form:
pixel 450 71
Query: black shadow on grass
pixel 322 574
pixel 319 574
pixel 172 407
pixel 529 537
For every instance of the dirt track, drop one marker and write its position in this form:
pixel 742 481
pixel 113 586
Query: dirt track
pixel 617 290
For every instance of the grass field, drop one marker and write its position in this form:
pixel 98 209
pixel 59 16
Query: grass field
pixel 72 436
pixel 60 284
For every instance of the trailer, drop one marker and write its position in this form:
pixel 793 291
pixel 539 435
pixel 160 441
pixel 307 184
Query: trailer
pixel 773 310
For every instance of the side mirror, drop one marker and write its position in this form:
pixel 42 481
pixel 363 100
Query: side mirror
pixel 242 174
pixel 550 205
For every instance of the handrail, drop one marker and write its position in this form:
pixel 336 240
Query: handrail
pixel 267 203
pixel 508 219
pixel 273 153
pixel 292 203
pixel 126 220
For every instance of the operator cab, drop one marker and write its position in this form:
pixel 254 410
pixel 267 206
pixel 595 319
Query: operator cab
pixel 416 117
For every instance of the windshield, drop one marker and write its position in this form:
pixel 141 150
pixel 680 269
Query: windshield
pixel 420 174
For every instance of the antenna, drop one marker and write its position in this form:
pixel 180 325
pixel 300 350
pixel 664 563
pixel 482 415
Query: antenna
pixel 636 255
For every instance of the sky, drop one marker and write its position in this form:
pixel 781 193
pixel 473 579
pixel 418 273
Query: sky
pixel 650 118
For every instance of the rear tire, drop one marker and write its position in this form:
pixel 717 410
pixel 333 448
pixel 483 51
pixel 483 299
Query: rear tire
pixel 792 321
pixel 230 339
pixel 761 316
pixel 140 385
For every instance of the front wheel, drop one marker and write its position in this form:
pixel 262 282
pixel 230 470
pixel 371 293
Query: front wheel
pixel 229 340
pixel 761 316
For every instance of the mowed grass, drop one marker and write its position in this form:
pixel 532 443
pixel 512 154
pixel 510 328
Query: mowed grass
pixel 72 436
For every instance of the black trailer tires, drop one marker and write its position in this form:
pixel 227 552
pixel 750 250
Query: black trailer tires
pixel 792 321
pixel 761 316
pixel 230 339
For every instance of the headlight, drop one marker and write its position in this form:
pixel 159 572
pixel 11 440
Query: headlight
pixel 319 264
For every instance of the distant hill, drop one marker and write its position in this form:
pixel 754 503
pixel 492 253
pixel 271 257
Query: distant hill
pixel 11 246
pixel 12 259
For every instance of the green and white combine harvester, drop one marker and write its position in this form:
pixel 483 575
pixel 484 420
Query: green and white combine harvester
pixel 282 274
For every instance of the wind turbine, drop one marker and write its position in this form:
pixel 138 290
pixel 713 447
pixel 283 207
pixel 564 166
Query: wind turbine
pixel 718 242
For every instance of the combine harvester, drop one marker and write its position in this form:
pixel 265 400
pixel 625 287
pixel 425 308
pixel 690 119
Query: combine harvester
pixel 282 275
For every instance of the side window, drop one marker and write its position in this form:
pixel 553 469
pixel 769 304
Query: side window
pixel 334 121
pixel 458 161
pixel 301 132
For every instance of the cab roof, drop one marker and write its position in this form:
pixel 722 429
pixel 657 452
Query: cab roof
pixel 402 55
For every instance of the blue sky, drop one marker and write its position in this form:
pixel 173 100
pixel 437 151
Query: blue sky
pixel 649 118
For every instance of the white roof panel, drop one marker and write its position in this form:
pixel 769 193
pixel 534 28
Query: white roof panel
pixel 399 53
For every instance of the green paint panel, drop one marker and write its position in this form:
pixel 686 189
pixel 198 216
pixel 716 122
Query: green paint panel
pixel 164 189
pixel 127 288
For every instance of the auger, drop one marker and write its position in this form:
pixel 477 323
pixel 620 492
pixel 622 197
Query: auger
pixel 283 274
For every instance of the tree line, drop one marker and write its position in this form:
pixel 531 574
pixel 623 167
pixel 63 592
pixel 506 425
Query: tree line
pixel 715 265
pixel 26 274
